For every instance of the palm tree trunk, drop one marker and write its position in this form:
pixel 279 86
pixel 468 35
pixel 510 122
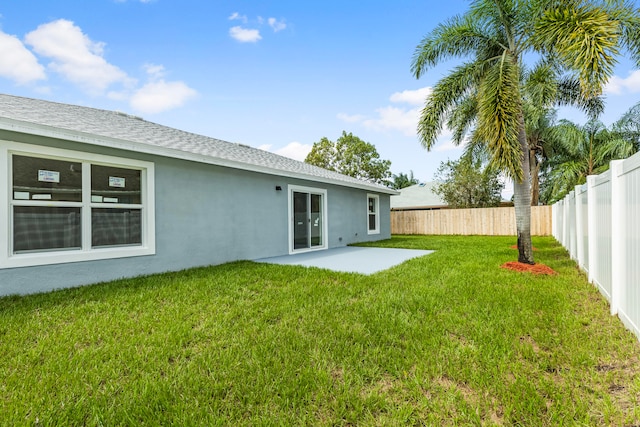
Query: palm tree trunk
pixel 535 177
pixel 522 201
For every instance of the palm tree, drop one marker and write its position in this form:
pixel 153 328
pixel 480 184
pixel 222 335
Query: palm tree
pixel 581 38
pixel 544 88
pixel 628 126
pixel 403 180
pixel 581 151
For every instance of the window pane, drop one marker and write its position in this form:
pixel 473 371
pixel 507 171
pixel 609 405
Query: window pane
pixel 45 228
pixel 116 227
pixel 300 220
pixel 372 222
pixel 372 204
pixel 115 185
pixel 316 220
pixel 35 178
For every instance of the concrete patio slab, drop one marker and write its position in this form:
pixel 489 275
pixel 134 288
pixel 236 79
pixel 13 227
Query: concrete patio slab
pixel 350 259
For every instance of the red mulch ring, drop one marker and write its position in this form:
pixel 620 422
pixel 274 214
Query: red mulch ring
pixel 528 268
pixel 516 247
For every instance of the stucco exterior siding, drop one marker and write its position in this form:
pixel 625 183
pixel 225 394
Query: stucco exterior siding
pixel 204 215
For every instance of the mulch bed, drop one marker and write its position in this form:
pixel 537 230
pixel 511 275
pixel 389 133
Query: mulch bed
pixel 528 268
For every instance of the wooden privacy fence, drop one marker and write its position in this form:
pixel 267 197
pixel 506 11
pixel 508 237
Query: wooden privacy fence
pixel 481 221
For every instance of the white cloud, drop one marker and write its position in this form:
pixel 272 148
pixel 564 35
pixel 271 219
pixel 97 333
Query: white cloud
pixel 235 16
pixel 75 56
pixel 293 150
pixel 277 25
pixel 154 71
pixel 158 95
pixel 80 60
pixel 619 86
pixel 388 118
pixel 413 97
pixel 18 63
pixel 245 35
pixel 252 35
pixel 394 118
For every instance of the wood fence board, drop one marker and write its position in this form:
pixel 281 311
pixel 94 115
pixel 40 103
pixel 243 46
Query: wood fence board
pixel 482 221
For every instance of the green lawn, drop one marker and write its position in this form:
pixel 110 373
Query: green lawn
pixel 447 339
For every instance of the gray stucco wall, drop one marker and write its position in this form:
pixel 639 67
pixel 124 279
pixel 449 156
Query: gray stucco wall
pixel 205 215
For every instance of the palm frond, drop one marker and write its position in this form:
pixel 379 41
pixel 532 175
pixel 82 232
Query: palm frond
pixel 446 94
pixel 458 37
pixel 614 148
pixel 585 39
pixel 475 150
pixel 541 85
pixel 628 15
pixel 500 116
pixel 629 126
pixel 502 17
pixel 570 93
pixel 569 137
pixel 462 118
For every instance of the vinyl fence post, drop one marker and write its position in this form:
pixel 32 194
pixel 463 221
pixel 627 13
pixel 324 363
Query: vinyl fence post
pixel 565 223
pixel 592 235
pixel 579 227
pixel 554 220
pixel 618 230
pixel 571 221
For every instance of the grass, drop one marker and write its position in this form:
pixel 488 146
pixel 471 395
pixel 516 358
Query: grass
pixel 447 339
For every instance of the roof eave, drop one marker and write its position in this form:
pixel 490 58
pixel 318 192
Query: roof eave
pixel 122 144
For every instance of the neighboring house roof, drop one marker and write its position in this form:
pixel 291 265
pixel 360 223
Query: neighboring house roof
pixel 127 132
pixel 419 196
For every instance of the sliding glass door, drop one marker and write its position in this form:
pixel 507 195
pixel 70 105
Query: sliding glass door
pixel 307 218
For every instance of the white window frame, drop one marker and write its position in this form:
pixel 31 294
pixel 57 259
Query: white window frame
pixel 376 213
pixel 8 259
pixel 325 217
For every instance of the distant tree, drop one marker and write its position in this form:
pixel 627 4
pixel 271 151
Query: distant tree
pixel 402 180
pixel 628 126
pixel 582 150
pixel 465 184
pixel 351 156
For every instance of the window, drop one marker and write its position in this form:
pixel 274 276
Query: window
pixel 373 215
pixel 67 206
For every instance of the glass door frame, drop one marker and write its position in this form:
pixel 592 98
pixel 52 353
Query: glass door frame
pixel 323 219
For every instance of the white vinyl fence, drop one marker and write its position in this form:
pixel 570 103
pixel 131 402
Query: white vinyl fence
pixel 599 224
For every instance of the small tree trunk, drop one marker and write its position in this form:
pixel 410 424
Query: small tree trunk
pixel 522 201
pixel 535 177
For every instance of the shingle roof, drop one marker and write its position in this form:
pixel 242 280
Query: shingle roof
pixel 417 196
pixel 119 130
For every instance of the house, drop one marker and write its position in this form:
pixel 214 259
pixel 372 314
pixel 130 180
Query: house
pixel 418 197
pixel 421 197
pixel 91 195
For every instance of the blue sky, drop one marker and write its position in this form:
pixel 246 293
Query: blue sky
pixel 278 75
